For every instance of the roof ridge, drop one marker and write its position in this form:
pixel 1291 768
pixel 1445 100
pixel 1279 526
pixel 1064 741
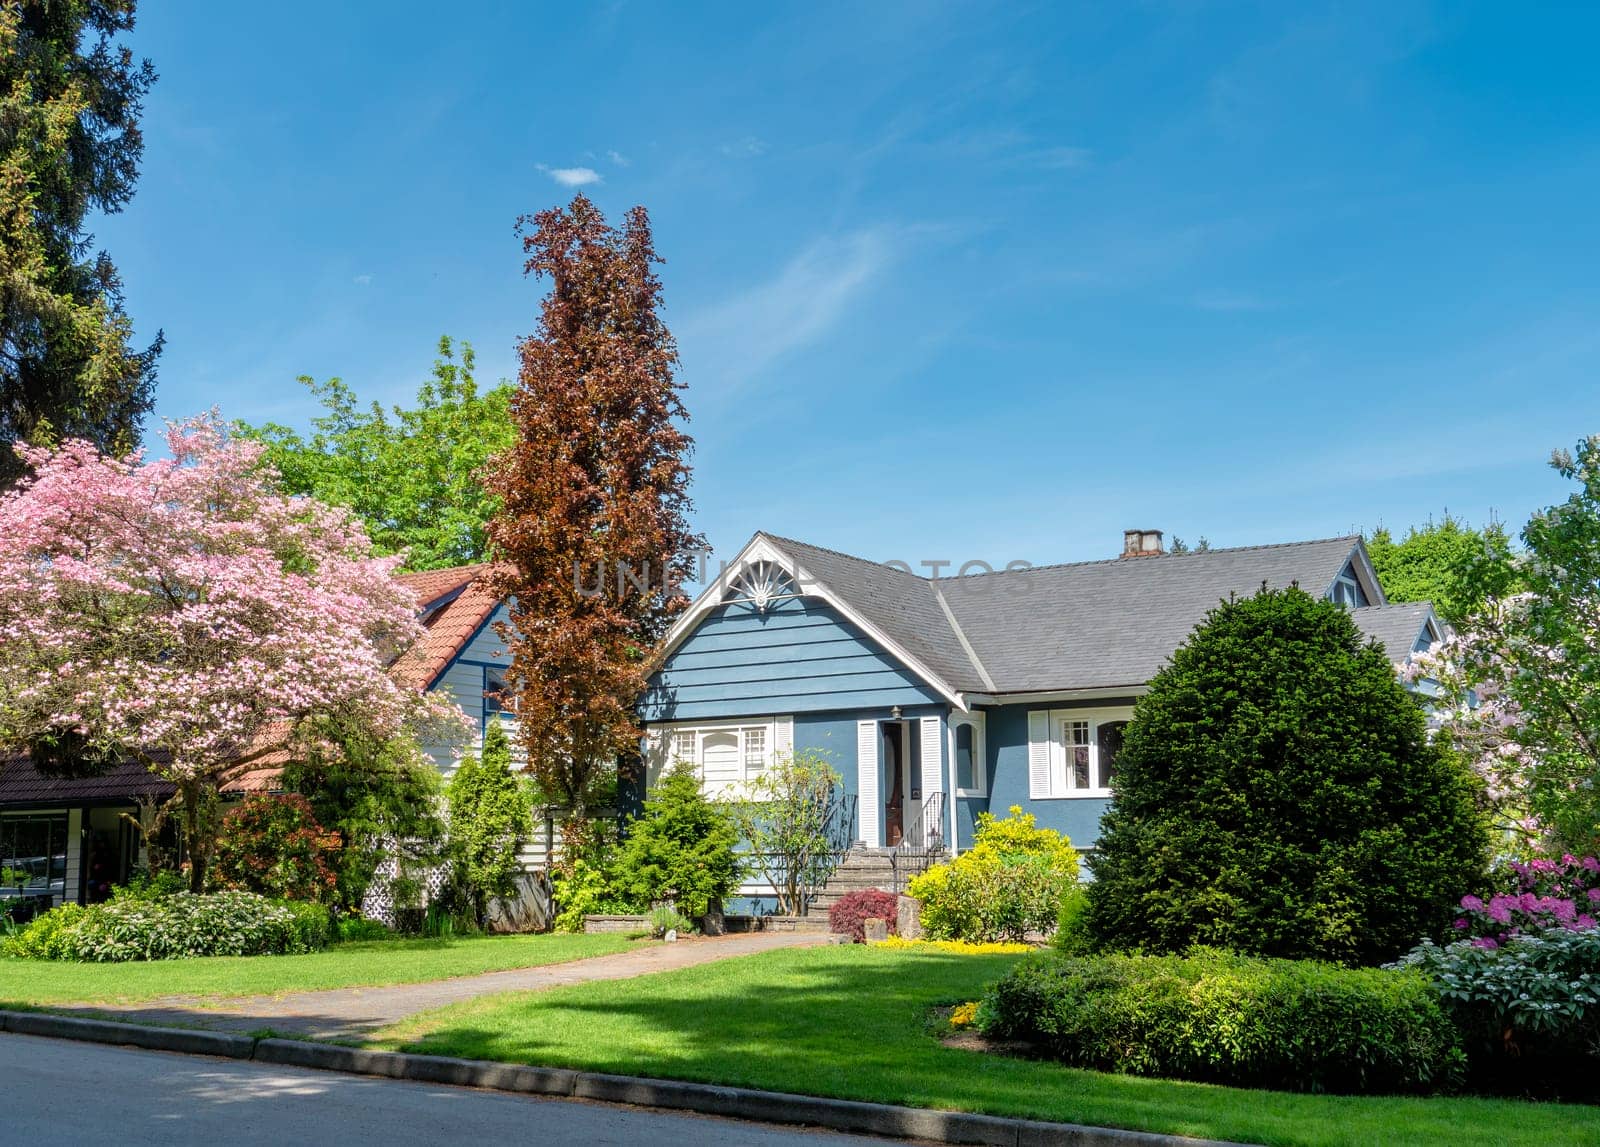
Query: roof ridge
pixel 1352 538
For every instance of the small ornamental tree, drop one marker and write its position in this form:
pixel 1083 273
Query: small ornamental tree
pixel 491 815
pixel 790 815
pixel 184 613
pixel 592 536
pixel 1433 563
pixel 681 847
pixel 1277 794
pixel 272 844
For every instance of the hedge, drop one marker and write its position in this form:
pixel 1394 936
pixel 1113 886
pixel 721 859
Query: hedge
pixel 1294 1025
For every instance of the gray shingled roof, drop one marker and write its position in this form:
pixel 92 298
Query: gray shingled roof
pixel 1087 625
pixel 1395 627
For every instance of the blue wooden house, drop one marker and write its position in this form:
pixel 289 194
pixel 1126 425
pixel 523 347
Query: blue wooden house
pixel 941 698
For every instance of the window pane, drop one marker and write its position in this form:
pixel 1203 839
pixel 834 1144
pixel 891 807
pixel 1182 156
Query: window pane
pixel 1078 754
pixel 33 851
pixel 755 750
pixel 964 764
pixel 1109 736
pixel 494 688
pixel 683 747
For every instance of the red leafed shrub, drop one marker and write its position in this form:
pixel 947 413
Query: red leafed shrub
pixel 850 915
pixel 272 844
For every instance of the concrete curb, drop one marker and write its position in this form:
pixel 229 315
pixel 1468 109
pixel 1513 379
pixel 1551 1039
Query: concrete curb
pixel 845 1115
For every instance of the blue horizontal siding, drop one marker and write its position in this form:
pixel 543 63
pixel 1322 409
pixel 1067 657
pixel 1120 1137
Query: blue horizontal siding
pixel 801 656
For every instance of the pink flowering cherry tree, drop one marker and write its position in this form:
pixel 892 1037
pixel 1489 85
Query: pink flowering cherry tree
pixel 184 613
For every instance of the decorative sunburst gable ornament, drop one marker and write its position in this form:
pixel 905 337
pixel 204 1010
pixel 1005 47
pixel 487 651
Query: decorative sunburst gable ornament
pixel 762 584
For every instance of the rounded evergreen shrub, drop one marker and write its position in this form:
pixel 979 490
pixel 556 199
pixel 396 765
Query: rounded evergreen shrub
pixel 681 848
pixel 1294 1025
pixel 850 913
pixel 1277 794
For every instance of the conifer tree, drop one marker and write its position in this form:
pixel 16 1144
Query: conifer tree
pixel 70 100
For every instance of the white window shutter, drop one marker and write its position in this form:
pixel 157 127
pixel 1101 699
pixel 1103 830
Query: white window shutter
pixel 932 759
pixel 1039 754
pixel 868 805
pixel 782 738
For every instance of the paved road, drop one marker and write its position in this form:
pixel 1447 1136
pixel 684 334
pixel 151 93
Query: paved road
pixel 67 1093
pixel 350 1013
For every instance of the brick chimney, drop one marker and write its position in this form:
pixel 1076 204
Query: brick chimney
pixel 1141 544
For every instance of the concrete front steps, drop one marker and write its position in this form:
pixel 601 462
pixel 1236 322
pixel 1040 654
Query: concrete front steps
pixel 861 868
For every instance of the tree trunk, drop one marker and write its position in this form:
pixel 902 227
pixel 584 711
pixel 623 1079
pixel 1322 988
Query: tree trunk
pixel 198 798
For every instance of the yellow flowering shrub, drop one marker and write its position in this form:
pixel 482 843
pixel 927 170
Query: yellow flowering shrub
pixel 958 947
pixel 1008 884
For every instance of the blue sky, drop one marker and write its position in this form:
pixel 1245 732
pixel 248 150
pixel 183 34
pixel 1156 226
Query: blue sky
pixel 954 282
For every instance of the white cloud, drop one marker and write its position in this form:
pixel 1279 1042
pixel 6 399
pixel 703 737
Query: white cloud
pixel 617 158
pixel 734 341
pixel 362 280
pixel 572 176
pixel 747 148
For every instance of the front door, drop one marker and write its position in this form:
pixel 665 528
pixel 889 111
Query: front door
pixel 894 820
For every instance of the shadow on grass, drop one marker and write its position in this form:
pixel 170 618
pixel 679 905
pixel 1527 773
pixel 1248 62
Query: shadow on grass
pixel 852 1023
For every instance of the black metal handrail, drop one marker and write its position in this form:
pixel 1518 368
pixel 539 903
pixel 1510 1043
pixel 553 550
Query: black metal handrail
pixel 922 841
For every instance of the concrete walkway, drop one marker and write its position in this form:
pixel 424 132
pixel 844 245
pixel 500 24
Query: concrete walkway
pixel 351 1013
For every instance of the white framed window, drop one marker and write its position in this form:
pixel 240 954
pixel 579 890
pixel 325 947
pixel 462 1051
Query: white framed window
pixel 726 754
pixel 1073 752
pixel 968 752
pixel 1347 590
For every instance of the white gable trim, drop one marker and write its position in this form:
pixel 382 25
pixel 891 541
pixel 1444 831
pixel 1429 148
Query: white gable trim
pixel 761 549
pixel 1361 562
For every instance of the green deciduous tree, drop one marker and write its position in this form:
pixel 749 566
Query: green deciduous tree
pixel 490 816
pixel 681 847
pixel 1519 685
pixel 1434 562
pixel 1277 794
pixel 789 816
pixel 70 100
pixel 411 474
pixel 383 798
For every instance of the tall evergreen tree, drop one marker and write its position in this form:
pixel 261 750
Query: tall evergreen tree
pixel 70 99
pixel 593 535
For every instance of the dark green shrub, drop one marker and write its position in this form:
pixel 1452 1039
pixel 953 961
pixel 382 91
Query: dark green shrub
pixel 680 848
pixel 271 843
pixel 1528 1009
pixel 151 886
pixel 354 929
pixel 491 815
pixel 312 924
pixel 1277 794
pixel 382 799
pixel 1294 1025
pixel 1072 924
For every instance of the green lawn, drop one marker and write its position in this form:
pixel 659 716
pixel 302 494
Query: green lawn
pixel 850 1022
pixel 367 964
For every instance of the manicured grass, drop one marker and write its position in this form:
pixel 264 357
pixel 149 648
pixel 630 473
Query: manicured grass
pixel 851 1022
pixel 368 964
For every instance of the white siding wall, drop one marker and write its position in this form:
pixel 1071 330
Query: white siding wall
pixel 74 856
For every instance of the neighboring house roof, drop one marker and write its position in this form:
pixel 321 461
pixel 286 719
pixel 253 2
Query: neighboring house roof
pixel 1081 626
pixel 21 783
pixel 1397 626
pixel 455 604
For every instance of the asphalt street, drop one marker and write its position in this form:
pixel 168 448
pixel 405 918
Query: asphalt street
pixel 64 1092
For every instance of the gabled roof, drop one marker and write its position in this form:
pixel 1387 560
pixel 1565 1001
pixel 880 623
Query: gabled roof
pixel 455 604
pixel 1397 627
pixel 1081 626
